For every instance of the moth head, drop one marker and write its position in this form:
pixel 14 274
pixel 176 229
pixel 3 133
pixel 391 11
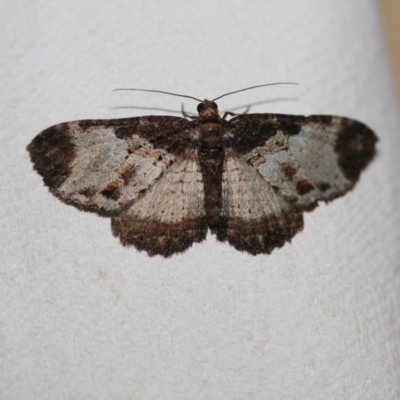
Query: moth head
pixel 208 110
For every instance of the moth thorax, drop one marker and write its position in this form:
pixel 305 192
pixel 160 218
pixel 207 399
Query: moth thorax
pixel 211 135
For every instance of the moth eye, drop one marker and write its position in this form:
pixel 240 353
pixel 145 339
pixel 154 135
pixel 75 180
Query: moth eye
pixel 214 105
pixel 200 107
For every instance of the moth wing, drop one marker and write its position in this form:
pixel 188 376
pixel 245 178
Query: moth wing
pixel 255 218
pixel 170 216
pixel 102 166
pixel 306 158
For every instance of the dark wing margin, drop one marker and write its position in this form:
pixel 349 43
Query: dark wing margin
pixel 101 166
pixel 307 159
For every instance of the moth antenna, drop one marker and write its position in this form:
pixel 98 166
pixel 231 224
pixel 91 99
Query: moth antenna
pixel 257 86
pixel 161 91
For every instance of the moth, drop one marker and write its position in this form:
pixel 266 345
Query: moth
pixel 165 181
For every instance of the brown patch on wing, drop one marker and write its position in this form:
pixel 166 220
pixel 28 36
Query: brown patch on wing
pixel 112 190
pixel 355 147
pixel 288 170
pixel 172 134
pixel 303 186
pixel 88 191
pixel 322 119
pixel 127 174
pixel 52 152
pixel 324 186
pixel 252 130
pixel 158 238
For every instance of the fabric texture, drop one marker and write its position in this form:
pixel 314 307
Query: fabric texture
pixel 83 317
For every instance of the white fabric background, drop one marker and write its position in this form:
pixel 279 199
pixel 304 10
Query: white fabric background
pixel 82 317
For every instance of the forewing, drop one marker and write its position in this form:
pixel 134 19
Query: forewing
pixel 170 216
pixel 103 165
pixel 305 158
pixel 255 217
